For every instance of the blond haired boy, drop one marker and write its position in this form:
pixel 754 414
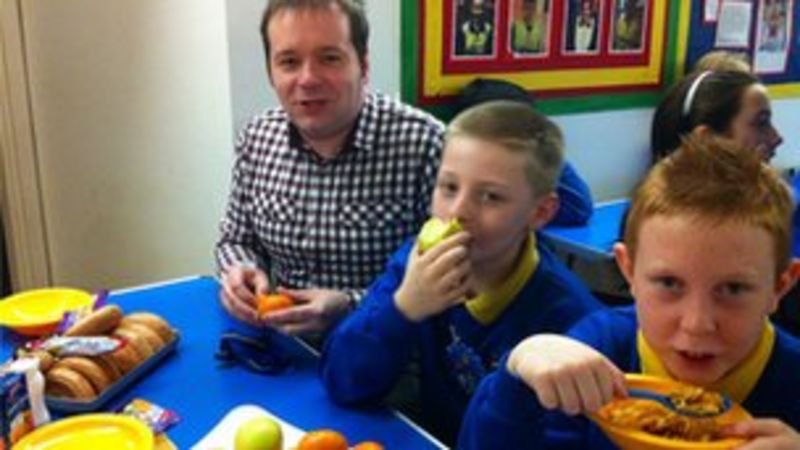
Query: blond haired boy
pixel 706 253
pixel 464 303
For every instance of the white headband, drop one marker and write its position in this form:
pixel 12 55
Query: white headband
pixel 687 101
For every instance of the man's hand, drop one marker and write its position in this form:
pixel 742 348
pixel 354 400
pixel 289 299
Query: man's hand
pixel 566 374
pixel 240 286
pixel 436 280
pixel 315 311
pixel 771 434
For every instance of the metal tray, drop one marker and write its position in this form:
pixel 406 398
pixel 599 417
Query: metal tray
pixel 60 404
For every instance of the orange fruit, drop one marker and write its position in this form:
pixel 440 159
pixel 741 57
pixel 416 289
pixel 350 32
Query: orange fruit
pixel 368 445
pixel 267 303
pixel 323 440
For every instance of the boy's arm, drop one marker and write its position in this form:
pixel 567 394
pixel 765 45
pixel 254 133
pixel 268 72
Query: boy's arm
pixel 503 413
pixel 543 372
pixel 365 355
pixel 506 411
pixel 566 374
pixel 576 205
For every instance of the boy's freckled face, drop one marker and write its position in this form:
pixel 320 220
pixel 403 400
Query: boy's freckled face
pixel 702 293
pixel 484 185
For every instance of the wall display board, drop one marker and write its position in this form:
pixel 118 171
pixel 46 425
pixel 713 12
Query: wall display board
pixel 575 55
pixel 762 29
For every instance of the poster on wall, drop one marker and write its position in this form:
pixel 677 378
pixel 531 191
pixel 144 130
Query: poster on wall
pixel 733 24
pixel 772 36
pixel 762 30
pixel 572 54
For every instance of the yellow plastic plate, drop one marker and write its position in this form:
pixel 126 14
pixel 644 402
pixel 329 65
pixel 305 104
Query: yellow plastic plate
pixel 641 440
pixel 90 431
pixel 39 311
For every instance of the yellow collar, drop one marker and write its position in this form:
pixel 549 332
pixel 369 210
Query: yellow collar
pixel 738 383
pixel 488 305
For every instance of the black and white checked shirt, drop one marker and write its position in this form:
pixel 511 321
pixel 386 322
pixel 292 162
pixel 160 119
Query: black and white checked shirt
pixel 330 223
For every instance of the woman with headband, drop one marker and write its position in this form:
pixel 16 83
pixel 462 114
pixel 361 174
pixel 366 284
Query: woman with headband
pixel 732 104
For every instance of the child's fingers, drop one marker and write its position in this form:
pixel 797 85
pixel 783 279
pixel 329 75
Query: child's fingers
pixel 446 262
pixel 568 395
pixel 455 277
pixel 452 253
pixel 546 390
pixel 766 434
pixel 607 385
pixel 757 427
pixel 590 390
pixel 618 381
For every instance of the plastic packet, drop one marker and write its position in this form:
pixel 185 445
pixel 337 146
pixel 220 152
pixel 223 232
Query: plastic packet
pixel 61 346
pixel 154 416
pixel 70 318
pixel 22 406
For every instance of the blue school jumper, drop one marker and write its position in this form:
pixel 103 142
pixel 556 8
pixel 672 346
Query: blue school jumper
pixel 367 353
pixel 505 413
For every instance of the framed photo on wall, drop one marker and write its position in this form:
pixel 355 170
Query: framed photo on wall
pixel 529 28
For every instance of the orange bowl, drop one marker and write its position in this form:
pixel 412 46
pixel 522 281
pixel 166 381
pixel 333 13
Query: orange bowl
pixel 630 438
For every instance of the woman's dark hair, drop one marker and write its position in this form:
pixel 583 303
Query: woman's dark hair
pixel 714 99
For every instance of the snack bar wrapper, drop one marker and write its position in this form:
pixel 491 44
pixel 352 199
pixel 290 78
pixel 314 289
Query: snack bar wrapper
pixel 22 406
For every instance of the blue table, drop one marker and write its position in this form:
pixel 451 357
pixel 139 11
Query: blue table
pixel 595 240
pixel 193 384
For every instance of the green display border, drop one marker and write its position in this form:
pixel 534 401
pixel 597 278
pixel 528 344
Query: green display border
pixel 409 50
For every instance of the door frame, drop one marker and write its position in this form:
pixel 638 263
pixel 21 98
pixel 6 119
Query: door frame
pixel 21 205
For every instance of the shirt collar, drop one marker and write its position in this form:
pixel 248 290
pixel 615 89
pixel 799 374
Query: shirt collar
pixel 489 305
pixel 366 130
pixel 738 383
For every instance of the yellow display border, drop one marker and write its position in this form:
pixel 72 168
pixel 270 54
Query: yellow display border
pixel 437 84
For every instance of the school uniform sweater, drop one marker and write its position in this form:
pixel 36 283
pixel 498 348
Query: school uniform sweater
pixel 366 354
pixel 505 413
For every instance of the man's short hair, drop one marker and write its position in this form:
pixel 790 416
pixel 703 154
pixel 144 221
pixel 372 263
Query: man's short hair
pixel 519 128
pixel 714 180
pixel 353 9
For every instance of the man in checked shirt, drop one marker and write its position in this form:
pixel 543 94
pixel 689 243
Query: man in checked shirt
pixel 329 184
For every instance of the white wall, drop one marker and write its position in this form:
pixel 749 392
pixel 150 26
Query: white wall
pixel 609 149
pixel 132 118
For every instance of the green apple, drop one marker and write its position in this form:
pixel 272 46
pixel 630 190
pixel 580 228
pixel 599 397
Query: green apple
pixel 259 433
pixel 435 230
